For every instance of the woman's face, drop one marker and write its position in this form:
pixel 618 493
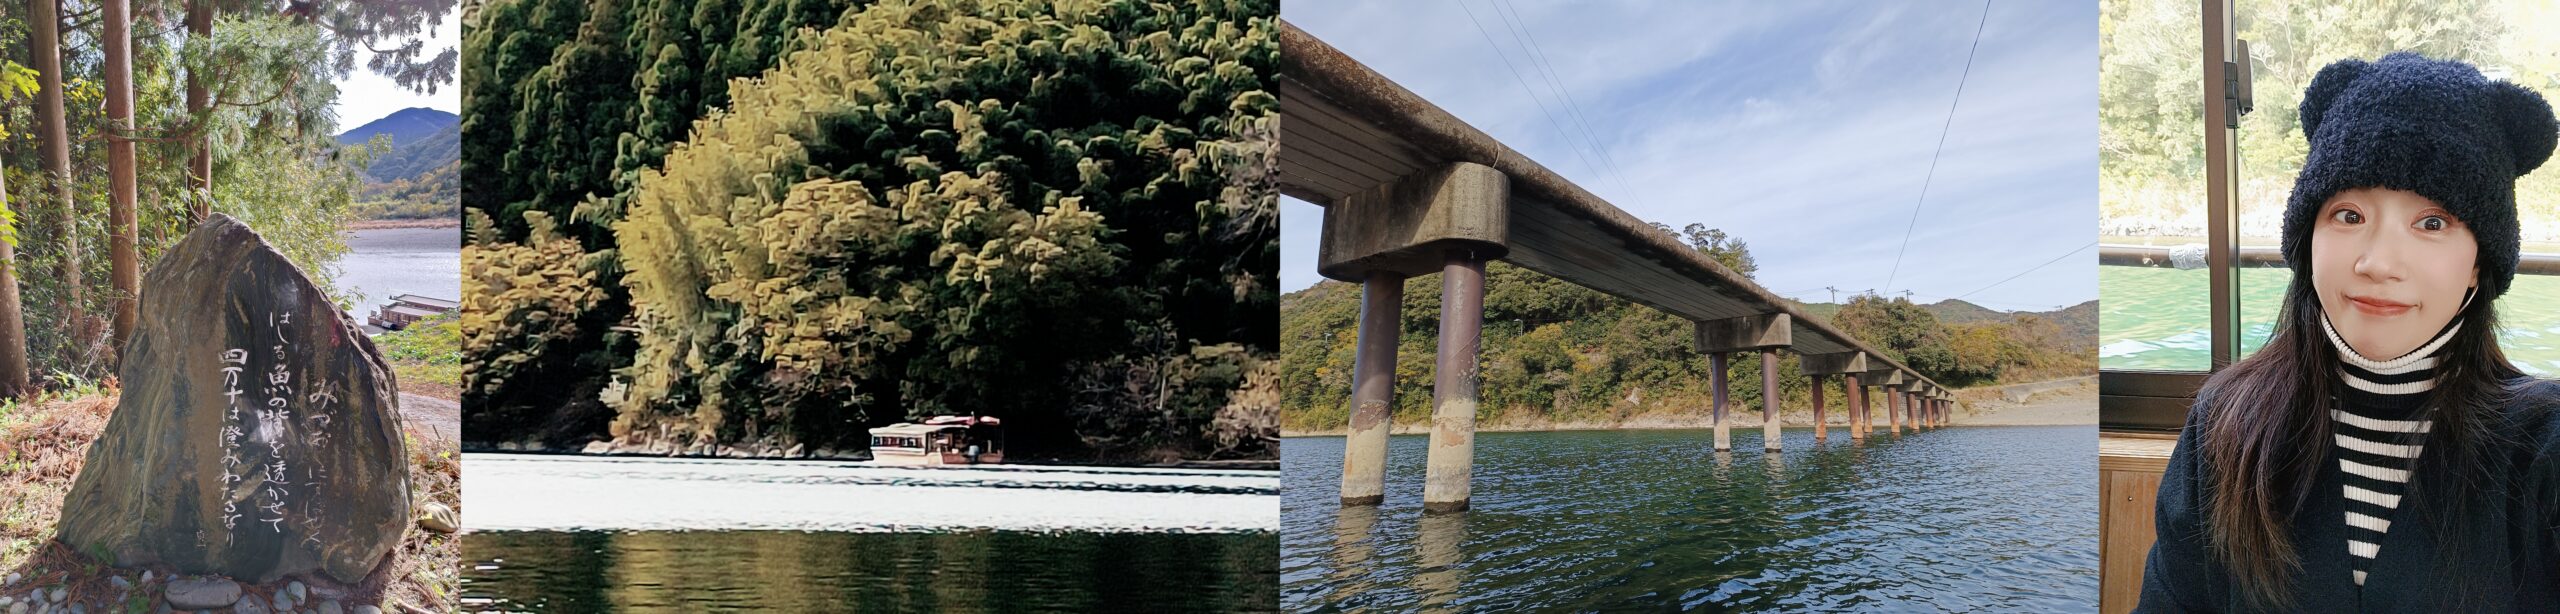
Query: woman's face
pixel 2391 268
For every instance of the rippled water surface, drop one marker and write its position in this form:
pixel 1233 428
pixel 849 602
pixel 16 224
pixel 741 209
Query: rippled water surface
pixel 1961 519
pixel 572 534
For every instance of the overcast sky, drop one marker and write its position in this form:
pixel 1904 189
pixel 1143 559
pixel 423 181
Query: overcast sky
pixel 364 96
pixel 1804 128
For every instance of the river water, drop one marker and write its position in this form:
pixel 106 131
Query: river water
pixel 568 534
pixel 2158 319
pixel 381 263
pixel 1962 519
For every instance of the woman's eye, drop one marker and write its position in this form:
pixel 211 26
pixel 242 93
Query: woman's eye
pixel 2346 216
pixel 2432 222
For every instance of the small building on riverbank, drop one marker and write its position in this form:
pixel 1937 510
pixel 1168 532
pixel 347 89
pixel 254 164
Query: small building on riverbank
pixel 406 309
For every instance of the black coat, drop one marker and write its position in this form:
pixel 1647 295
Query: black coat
pixel 2511 550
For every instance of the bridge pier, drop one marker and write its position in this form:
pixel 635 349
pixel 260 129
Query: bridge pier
pixel 1883 378
pixel 1821 422
pixel 1879 409
pixel 1893 407
pixel 1884 409
pixel 1821 367
pixel 1911 409
pixel 1715 378
pixel 1373 390
pixel 1857 393
pixel 1451 219
pixel 1766 334
pixel 1770 425
pixel 1454 378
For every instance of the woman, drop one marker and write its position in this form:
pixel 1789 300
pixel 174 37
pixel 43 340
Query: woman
pixel 2380 453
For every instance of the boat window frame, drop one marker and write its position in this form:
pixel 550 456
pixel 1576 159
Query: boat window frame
pixel 2142 400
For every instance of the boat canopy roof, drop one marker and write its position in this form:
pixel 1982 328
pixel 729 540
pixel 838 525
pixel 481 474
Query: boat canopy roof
pixel 962 421
pixel 935 424
pixel 906 428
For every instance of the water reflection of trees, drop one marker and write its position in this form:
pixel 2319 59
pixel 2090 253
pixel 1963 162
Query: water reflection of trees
pixel 790 571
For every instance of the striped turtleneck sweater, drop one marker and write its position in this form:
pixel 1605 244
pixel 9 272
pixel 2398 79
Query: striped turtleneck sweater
pixel 2381 420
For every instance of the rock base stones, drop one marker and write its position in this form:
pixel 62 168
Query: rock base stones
pixel 202 593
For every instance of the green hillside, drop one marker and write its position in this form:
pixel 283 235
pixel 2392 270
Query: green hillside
pixel 409 160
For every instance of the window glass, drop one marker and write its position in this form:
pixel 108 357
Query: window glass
pixel 2151 196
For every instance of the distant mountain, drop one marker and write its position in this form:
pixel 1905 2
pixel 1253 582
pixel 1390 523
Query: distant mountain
pixel 405 126
pixel 418 158
pixel 1954 311
pixel 2078 320
pixel 422 141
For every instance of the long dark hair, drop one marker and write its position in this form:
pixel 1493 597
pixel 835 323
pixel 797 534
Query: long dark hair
pixel 2266 435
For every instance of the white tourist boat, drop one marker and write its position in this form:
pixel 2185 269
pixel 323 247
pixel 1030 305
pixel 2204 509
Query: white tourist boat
pixel 940 441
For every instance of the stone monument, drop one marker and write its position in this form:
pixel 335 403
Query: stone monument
pixel 258 435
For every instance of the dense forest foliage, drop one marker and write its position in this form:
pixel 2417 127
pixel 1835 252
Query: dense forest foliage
pixel 434 194
pixel 786 222
pixel 1555 352
pixel 2151 141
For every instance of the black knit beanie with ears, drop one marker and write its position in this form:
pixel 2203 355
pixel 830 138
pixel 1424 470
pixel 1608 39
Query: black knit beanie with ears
pixel 2434 127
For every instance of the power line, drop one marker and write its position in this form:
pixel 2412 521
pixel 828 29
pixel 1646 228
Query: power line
pixel 2047 263
pixel 1942 146
pixel 1524 86
pixel 1538 56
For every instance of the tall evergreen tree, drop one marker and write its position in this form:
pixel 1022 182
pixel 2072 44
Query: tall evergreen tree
pixel 122 180
pixel 44 50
